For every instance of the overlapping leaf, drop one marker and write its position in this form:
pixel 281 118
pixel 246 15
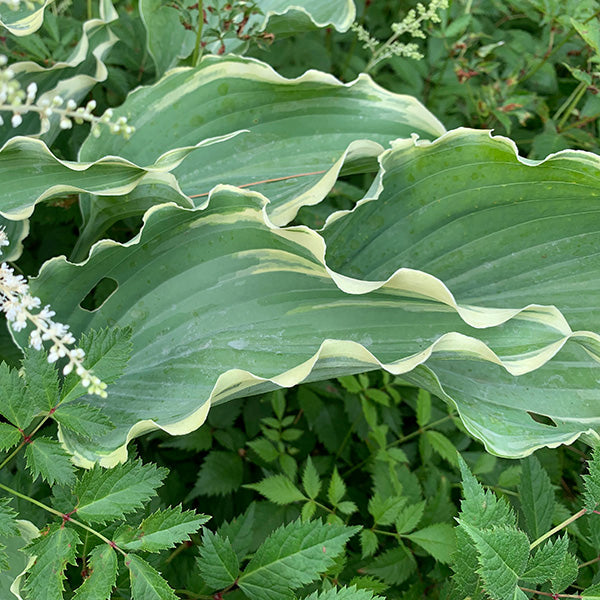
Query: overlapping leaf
pixel 499 231
pixel 223 303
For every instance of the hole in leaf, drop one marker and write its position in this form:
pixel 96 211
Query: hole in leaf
pixel 543 419
pixel 99 294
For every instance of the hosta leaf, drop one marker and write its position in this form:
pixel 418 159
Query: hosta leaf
pixel 16 232
pixel 161 530
pixel 43 175
pixel 218 563
pixel 54 550
pixel 71 78
pixel 110 494
pixel 299 134
pixel 23 20
pixel 292 556
pixel 500 231
pixel 287 317
pixel 46 457
pixel 146 582
pixel 15 559
pixel 101 575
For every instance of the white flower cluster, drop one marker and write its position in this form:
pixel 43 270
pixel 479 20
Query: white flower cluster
pixel 411 24
pixel 19 101
pixel 21 308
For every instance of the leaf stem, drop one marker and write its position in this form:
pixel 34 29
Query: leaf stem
pixel 556 529
pixel 64 517
pixel 548 594
pixel 197 48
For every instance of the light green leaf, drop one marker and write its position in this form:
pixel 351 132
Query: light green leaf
pixel 278 489
pixel 102 575
pixel 218 563
pixel 423 407
pixel 46 457
pixel 537 497
pixel 438 539
pixel 265 449
pixel 385 510
pixel 42 380
pixel 293 556
pixel 15 559
pixel 546 561
pixel 9 436
pixel 146 582
pixel 110 494
pixel 503 554
pixel 565 574
pixel 85 420
pixel 13 405
pixel 591 481
pixel 161 530
pixel 53 551
pixel 442 445
pixel 311 481
pixel 337 488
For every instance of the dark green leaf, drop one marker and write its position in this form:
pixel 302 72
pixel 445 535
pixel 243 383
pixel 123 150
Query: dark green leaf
pixel 546 561
pixel 293 556
pixel 368 542
pixel 12 403
pixel 591 481
pixel 218 562
pixel 537 497
pixel 42 380
pixel 240 532
pixel 47 458
pixel 565 575
pixel 101 575
pixel 278 489
pixel 409 517
pixel 221 473
pixel 85 420
pixel 310 480
pixel 438 539
pixel 337 488
pixel 146 582
pixel 344 593
pixel 393 566
pixel 105 494
pixel 9 436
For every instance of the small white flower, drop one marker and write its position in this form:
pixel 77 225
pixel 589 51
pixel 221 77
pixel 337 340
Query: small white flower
pixel 16 120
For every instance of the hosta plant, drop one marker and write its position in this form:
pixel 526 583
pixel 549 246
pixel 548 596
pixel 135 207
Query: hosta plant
pixel 461 267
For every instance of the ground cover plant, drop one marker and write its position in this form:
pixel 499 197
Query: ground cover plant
pixel 285 318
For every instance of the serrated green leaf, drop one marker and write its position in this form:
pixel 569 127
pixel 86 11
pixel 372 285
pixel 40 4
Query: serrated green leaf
pixel 337 488
pixel 105 494
pixel 42 380
pixel 47 458
pixel 12 404
pixel 221 473
pixel 8 525
pixel 369 583
pixel 368 542
pixel 546 561
pixel 378 396
pixel 293 556
pixel 101 575
pixel 409 517
pixel 394 566
pixel 146 582
pixel 278 489
pixel 85 420
pixel 503 555
pixel 311 482
pixel 218 562
pixel 423 407
pixel 352 592
pixel 537 497
pixel 565 574
pixel 265 449
pixel 53 550
pixel 591 481
pixel 9 436
pixel 438 539
pixel 308 511
pixel 240 531
pixel 347 507
pixel 161 530
pixel 107 352
pixel 442 445
pixel 350 383
pixel 592 593
pixel 385 510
